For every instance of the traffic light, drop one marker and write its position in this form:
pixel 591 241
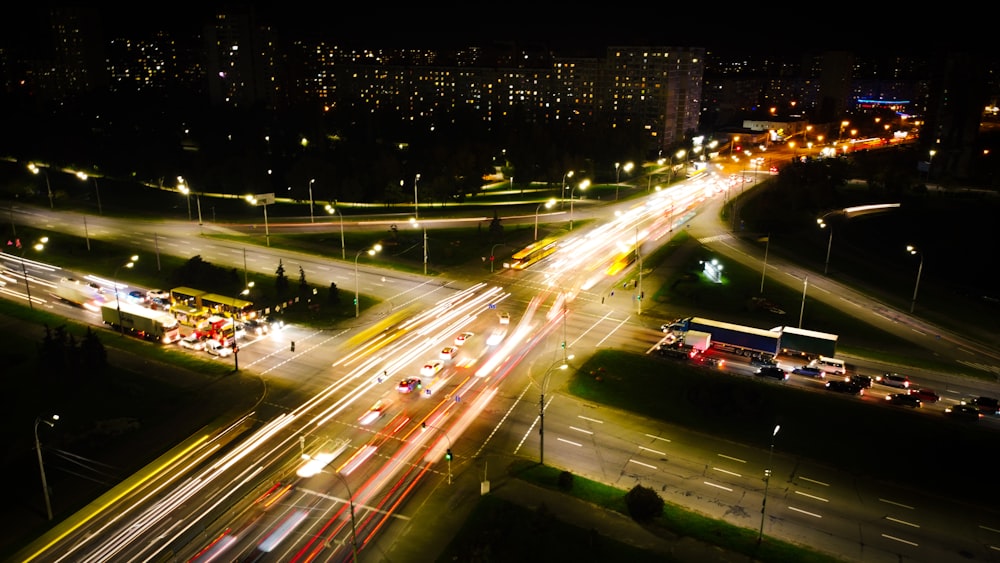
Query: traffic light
pixel 447 454
pixel 355 300
pixel 563 343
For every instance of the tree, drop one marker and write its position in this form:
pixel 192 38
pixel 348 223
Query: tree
pixel 334 295
pixel 281 283
pixel 303 284
pixel 496 229
pixel 644 504
pixel 93 356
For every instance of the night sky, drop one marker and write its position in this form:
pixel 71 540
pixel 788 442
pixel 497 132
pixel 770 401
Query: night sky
pixel 767 27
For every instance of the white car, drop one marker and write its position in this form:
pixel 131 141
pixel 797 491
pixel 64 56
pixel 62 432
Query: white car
pixel 192 342
pixel 463 338
pixel 448 353
pixel 431 368
pixel 496 337
pixel 157 295
pixel 505 318
pixel 215 348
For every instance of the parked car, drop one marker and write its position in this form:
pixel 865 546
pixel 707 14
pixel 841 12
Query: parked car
pixel 986 405
pixel 215 348
pixel 431 368
pixel 925 395
pixel 772 371
pixel 894 380
pixel 865 381
pixel 463 338
pixel 192 342
pixel 809 372
pixel 841 386
pixel 903 400
pixel 408 385
pixel 963 412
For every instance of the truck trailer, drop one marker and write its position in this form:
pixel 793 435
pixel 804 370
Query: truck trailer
pixel 79 293
pixel 806 343
pixel 156 326
pixel 733 338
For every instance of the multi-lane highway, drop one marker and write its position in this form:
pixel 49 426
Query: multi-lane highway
pixel 320 473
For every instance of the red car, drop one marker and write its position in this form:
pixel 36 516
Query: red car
pixel 925 395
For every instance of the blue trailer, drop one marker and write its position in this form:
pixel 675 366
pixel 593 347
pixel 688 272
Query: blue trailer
pixel 733 338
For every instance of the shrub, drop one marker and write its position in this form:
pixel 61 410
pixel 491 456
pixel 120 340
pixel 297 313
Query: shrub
pixel 643 503
pixel 566 481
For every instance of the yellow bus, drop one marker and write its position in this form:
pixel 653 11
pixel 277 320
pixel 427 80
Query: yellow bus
pixel 533 253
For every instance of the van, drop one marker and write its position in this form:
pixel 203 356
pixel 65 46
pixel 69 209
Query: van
pixel 829 365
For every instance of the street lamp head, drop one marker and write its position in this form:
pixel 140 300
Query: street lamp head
pixel 584 184
pixel 776 428
pixel 82 175
pixel 911 249
pixel 250 199
pixel 550 203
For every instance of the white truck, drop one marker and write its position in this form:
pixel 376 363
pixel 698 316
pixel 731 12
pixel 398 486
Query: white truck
pixel 157 326
pixel 79 293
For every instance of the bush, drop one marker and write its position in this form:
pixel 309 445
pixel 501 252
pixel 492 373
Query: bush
pixel 643 503
pixel 565 481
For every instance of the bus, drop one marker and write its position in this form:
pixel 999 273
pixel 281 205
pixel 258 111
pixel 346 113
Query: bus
pixel 621 262
pixel 533 253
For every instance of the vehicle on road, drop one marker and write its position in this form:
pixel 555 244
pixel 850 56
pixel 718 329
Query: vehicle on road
pixel 762 361
pixel 894 380
pixel 409 385
pixel 505 318
pixel 431 368
pixel 448 353
pixel 833 366
pixel 809 372
pixel 675 351
pixel 706 360
pixel 865 381
pixel 903 400
pixel 156 326
pixel 925 395
pixel 192 342
pixel 463 338
pixel 496 337
pixel 841 386
pixel 986 405
pixel 158 295
pixel 772 371
pixel 216 348
pixel 963 412
pixel 374 413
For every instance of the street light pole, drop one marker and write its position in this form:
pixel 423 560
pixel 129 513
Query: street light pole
pixel 41 465
pixel 416 206
pixel 767 481
pixel 354 528
pixel 920 269
pixel 493 255
pixel 638 256
pixel 24 270
pixel 114 281
pixel 182 187
pixel 236 347
pixel 568 174
pixel 371 252
pixel 418 225
pixel 447 456
pixel 312 218
pixel 547 205
pixel 583 186
pixel 541 411
pixel 343 249
pixel 35 170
